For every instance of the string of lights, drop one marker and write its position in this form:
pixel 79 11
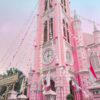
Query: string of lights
pixel 16 39
pixel 84 18
pixel 21 42
pixel 5 57
pixel 28 51
pixel 27 32
pixel 89 20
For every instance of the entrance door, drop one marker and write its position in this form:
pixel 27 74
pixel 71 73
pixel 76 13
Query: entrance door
pixel 50 97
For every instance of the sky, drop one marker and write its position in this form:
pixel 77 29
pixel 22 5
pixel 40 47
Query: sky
pixel 88 9
pixel 14 18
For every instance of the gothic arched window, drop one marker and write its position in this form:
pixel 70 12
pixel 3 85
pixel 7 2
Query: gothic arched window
pixel 50 28
pixel 64 28
pixel 95 61
pixel 50 3
pixel 45 31
pixel 67 31
pixel 46 5
pixel 63 3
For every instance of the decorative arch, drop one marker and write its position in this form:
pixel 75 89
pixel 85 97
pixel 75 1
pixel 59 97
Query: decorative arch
pixel 52 85
pixel 43 83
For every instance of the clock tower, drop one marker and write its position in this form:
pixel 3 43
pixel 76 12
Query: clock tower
pixel 53 51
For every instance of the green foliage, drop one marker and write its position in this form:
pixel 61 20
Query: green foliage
pixel 2 90
pixel 11 72
pixel 70 97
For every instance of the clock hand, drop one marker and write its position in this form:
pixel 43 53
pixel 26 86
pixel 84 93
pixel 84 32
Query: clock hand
pixel 49 55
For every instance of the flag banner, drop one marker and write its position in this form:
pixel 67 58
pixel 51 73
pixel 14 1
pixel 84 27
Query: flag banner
pixel 92 74
pixel 92 70
pixel 48 79
pixel 77 88
pixel 75 84
pixel 46 82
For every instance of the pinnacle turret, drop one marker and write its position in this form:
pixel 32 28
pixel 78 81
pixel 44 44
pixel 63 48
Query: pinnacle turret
pixel 96 34
pixel 77 22
pixel 95 29
pixel 75 15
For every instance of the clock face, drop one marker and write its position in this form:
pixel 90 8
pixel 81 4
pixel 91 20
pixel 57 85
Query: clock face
pixel 48 56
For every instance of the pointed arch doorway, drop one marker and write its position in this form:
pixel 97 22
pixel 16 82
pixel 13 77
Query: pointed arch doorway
pixel 50 94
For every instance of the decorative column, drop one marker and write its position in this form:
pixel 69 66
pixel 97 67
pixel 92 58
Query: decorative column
pixel 59 85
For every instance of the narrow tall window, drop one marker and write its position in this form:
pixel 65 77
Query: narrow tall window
pixel 64 30
pixel 62 3
pixel 65 5
pixel 46 4
pixel 51 29
pixel 67 31
pixel 45 31
pixel 50 3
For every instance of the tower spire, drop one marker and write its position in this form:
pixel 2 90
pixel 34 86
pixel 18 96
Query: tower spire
pixel 95 28
pixel 75 15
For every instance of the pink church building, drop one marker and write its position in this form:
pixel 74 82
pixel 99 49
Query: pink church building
pixel 63 55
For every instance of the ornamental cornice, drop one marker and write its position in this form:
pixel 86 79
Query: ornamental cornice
pixel 79 47
pixel 47 69
pixel 93 45
pixel 87 71
pixel 48 43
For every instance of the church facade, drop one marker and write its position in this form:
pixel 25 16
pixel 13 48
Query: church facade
pixel 63 55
